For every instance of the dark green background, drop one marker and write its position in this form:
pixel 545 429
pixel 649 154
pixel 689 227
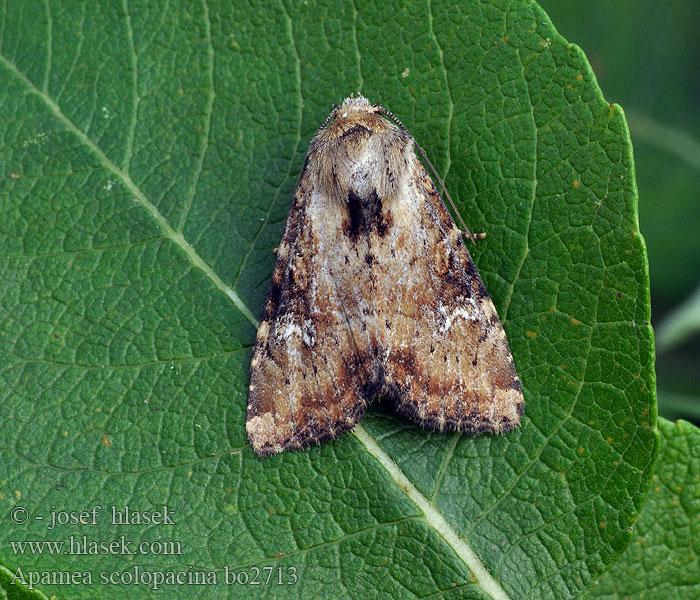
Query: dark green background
pixel 645 55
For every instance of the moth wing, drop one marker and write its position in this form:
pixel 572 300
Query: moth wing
pixel 449 366
pixel 312 360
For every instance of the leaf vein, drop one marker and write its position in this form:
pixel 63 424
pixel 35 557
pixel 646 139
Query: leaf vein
pixel 356 14
pixel 131 134
pixel 273 201
pixel 49 46
pixel 433 517
pixel 139 196
pixel 451 107
pixel 204 146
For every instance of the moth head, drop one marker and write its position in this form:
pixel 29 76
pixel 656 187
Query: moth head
pixel 354 112
pixel 355 105
pixel 351 108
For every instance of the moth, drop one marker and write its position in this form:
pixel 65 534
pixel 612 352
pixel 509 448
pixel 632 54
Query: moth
pixel 374 293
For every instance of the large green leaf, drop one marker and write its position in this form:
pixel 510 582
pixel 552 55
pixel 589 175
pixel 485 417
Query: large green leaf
pixel 661 562
pixel 150 154
pixel 631 44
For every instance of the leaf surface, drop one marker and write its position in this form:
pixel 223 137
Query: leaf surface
pixel 661 561
pixel 149 157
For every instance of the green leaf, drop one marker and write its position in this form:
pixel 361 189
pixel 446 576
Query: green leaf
pixel 630 50
pixel 631 45
pixel 149 159
pixel 662 558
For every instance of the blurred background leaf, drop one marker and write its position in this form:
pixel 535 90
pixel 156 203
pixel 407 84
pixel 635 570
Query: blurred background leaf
pixel 645 56
pixel 680 324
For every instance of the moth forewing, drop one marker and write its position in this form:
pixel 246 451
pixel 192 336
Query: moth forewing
pixel 374 292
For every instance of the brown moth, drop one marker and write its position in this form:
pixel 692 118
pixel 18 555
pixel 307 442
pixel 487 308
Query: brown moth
pixel 374 293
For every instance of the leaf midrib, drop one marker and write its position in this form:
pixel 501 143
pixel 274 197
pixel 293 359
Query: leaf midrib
pixel 431 514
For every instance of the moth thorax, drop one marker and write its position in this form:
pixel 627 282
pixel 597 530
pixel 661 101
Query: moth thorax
pixel 375 175
pixel 363 180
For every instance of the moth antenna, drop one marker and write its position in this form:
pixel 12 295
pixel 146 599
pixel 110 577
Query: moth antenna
pixel 394 119
pixel 328 118
pixel 465 230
